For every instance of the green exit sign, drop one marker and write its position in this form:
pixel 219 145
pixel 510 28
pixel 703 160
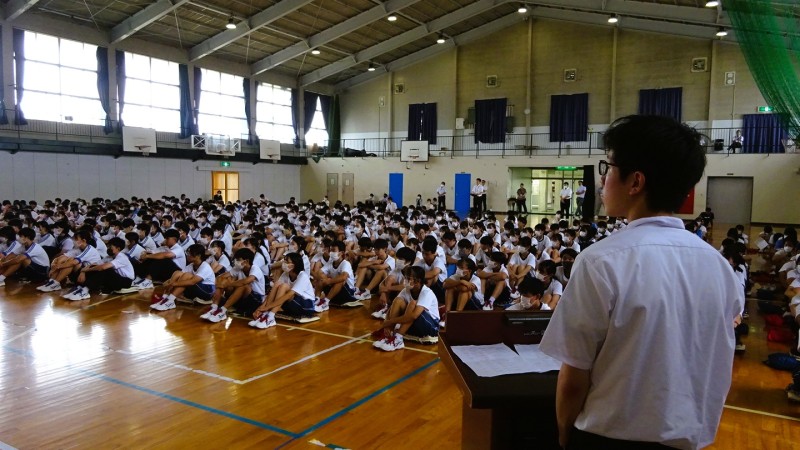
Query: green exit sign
pixel 566 168
pixel 765 109
pixel 224 164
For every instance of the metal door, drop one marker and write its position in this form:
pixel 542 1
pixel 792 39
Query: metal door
pixel 348 194
pixel 332 190
pixel 731 199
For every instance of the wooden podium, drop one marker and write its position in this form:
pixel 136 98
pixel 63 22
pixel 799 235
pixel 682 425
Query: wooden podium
pixel 509 411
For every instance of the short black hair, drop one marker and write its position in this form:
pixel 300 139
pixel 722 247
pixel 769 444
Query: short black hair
pixel 531 287
pixel 667 152
pixel 406 254
pixel 245 254
pixel 296 260
pixel 196 250
pixel 117 243
pixel 172 233
pixel 27 233
pixel 415 272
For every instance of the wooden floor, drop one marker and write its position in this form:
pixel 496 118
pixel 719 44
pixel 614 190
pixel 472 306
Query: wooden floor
pixel 108 373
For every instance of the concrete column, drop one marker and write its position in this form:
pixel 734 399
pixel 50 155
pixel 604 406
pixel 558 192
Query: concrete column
pixel 8 81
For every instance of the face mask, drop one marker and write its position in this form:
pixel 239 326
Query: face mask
pixel 3 240
pixel 203 241
pixel 285 267
pixel 217 234
pixel 293 248
pixel 491 265
pixel 399 265
pixel 582 234
pixel 459 273
pixel 540 277
pixel 357 230
pixel 407 285
pixel 238 265
pixel 601 230
pixel 514 240
pixel 334 256
pixel 522 249
pixel 403 230
pixel 788 249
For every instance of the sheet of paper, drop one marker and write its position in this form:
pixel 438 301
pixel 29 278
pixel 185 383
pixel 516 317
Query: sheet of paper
pixel 761 244
pixel 499 359
pixel 542 362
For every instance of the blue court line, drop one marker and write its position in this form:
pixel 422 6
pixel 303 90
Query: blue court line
pixel 359 402
pixel 173 398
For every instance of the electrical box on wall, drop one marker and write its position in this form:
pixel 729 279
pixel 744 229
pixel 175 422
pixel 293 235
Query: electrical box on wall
pixel 570 75
pixel 730 78
pixel 399 88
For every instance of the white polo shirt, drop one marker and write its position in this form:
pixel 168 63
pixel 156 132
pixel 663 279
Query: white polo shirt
pixel 426 299
pixel 649 310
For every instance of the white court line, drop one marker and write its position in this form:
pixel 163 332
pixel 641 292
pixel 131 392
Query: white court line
pixel 19 336
pixel 294 327
pixel 4 446
pixel 763 413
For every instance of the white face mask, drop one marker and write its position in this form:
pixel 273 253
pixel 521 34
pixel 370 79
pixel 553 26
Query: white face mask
pixel 403 230
pixel 522 249
pixel 238 265
pixel 203 241
pixel 217 234
pixel 334 256
pixel 491 265
pixel 788 249
pixel 399 265
pixel 407 286
pixel 601 230
pixel 582 234
pixel 540 277
pixel 293 248
pixel 459 273
pixel 285 267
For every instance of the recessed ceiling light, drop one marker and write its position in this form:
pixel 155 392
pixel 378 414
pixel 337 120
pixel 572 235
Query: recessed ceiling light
pixel 613 19
pixel 231 24
pixel 722 32
pixel 522 8
pixel 371 67
pixel 712 4
pixel 441 39
pixel 391 18
pixel 315 52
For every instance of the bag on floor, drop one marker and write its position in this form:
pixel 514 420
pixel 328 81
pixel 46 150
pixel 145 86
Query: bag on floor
pixel 768 307
pixel 780 334
pixel 782 361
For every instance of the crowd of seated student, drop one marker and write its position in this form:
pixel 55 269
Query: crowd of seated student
pixel 299 259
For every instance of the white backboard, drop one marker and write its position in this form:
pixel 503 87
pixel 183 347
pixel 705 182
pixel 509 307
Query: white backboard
pixel 270 150
pixel 411 149
pixel 139 140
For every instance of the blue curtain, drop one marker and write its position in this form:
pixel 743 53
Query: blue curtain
pixel 325 106
pixel 661 102
pixel 19 76
pixel 248 114
pixel 422 123
pixel 103 86
pixel 763 133
pixel 490 120
pixel 569 118
pixel 121 81
pixel 309 108
pixel 295 117
pixel 187 127
pixel 3 114
pixel 198 89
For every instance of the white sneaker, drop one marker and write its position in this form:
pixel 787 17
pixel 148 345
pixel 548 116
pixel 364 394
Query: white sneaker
pixel 379 344
pixel 164 305
pixel 210 312
pixel 515 294
pixel 266 323
pixel 161 300
pixel 219 316
pixel 488 306
pixel 83 294
pixel 322 305
pixel 254 322
pixel 71 292
pixel 2 283
pixel 381 313
pixel 45 286
pixel 136 281
pixel 395 343
pixel 357 294
pixel 52 287
pixel 366 295
pixel 145 284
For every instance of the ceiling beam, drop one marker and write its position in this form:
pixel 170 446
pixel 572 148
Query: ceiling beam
pixel 463 38
pixel 15 8
pixel 144 18
pixel 334 32
pixel 245 27
pixel 398 41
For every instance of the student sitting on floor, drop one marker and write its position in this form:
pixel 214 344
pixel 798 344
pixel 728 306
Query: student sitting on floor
pixel 108 277
pixel 373 270
pixel 393 284
pixel 415 312
pixel 161 265
pixel 338 285
pixel 494 278
pixel 463 289
pixel 218 258
pixel 293 295
pixel 46 239
pixel 195 281
pixel 546 271
pixel 145 240
pixel 245 283
pixel 564 270
pixel 434 267
pixel 531 291
pixel 29 260
pixel 522 262
pixel 83 254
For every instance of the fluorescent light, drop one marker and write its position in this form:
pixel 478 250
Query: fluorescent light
pixel 371 67
pixel 522 8
pixel 441 39
pixel 231 24
pixel 712 4
pixel 391 18
pixel 722 32
pixel 613 19
pixel 315 52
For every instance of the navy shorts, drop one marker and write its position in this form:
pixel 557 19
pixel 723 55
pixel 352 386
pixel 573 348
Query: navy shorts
pixel 473 304
pixel 424 325
pixel 345 295
pixel 438 290
pixel 35 272
pixel 298 307
pixel 504 298
pixel 200 290
pixel 247 305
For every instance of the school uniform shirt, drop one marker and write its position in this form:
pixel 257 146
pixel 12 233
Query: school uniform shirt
pixel 47 240
pixel 14 248
pixel 426 299
pixel 502 269
pixel 228 240
pixel 518 260
pixel 257 285
pixel 473 280
pixel 302 286
pixel 87 256
pixel 555 287
pixel 122 265
pixel 204 271
pixel 180 256
pixel 620 323
pixel 344 267
pixel 158 238
pixel 149 244
pixel 186 243
pixel 195 234
pixel 222 261
pixel 261 262
pixel 65 244
pixel 37 255
pixel 134 252
pixel 395 248
pixel 561 276
pixel 437 263
pixel 482 257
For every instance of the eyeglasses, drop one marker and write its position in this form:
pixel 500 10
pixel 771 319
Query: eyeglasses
pixel 602 167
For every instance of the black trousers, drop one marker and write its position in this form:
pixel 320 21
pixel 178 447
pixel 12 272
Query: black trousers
pixel 483 202
pixel 580 440
pixel 107 281
pixel 522 205
pixel 565 208
pixel 476 204
pixel 442 203
pixel 158 269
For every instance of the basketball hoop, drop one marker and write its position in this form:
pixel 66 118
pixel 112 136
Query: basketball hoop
pixel 144 149
pixel 412 159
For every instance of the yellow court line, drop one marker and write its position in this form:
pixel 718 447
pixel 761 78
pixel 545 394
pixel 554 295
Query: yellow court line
pixel 763 413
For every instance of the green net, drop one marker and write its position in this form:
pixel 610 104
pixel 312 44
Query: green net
pixel 768 32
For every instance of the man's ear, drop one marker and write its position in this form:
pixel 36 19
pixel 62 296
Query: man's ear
pixel 637 183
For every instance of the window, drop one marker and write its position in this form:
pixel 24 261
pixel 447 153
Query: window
pixel 317 134
pixel 61 81
pixel 222 105
pixel 274 113
pixel 152 93
pixel 227 183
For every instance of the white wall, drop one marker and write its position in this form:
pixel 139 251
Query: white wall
pixel 42 176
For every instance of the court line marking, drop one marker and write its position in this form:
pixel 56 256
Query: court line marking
pixel 4 446
pixel 762 413
pixel 294 327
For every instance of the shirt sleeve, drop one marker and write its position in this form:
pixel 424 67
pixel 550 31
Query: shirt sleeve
pixel 580 323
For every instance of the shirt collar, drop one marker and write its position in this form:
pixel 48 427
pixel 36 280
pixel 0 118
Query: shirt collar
pixel 657 221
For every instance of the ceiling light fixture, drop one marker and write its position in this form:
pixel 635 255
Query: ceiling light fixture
pixel 391 18
pixel 613 19
pixel 441 39
pixel 371 67
pixel 712 4
pixel 522 8
pixel 722 32
pixel 231 24
pixel 315 52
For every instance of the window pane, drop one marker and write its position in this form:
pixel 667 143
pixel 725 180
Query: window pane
pixel 83 110
pixel 78 82
pixel 39 77
pixel 136 116
pixel 209 103
pixel 232 195
pixel 40 47
pixel 165 96
pixel 137 66
pixel 166 120
pixel 231 106
pixel 42 106
pixel 164 71
pixel 210 81
pixel 231 85
pixel 138 92
pixel 78 54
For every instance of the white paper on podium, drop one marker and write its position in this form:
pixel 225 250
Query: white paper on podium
pixel 498 359
pixel 542 362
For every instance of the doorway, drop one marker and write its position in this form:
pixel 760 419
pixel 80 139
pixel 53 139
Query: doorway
pixel 544 191
pixel 332 190
pixel 227 183
pixel 731 199
pixel 348 194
